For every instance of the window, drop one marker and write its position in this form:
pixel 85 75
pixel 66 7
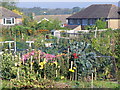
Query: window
pixel 90 21
pixel 79 22
pixel 70 21
pixel 85 22
pixel 8 21
pixel 75 21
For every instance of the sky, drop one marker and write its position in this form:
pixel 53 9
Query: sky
pixel 61 3
pixel 65 0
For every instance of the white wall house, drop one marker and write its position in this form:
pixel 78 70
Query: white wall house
pixel 9 18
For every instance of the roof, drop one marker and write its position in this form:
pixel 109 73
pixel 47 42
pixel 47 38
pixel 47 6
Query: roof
pixel 98 11
pixel 119 12
pixel 113 13
pixel 4 13
pixel 62 18
pixel 71 26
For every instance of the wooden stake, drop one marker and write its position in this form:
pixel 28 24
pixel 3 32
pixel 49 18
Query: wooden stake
pixel 15 45
pixel 92 81
pixel 18 75
pixel 44 74
pixel 23 62
pixel 18 71
pixel 31 63
pixel 38 63
pixel 96 32
pixel 68 57
pixel 95 74
pixel 44 71
pixel 71 64
pixel 39 57
pixel 22 36
pixel 56 73
pixel 71 68
pixel 76 74
pixel 13 58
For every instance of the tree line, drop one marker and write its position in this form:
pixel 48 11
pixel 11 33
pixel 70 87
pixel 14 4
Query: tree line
pixel 38 10
pixel 47 11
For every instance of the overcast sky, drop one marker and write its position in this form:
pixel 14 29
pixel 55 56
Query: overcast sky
pixel 61 3
pixel 68 0
pixel 61 0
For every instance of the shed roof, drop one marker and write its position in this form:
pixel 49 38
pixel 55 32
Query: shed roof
pixel 71 26
pixel 61 18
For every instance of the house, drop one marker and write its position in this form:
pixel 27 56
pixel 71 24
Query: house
pixel 61 18
pixel 88 16
pixel 9 18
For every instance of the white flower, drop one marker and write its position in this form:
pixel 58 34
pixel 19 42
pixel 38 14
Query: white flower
pixel 16 56
pixel 15 64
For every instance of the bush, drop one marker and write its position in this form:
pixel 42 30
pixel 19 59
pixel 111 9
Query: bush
pixel 8 63
pixel 100 24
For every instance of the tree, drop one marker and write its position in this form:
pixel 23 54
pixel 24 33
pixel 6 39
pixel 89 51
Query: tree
pixel 75 9
pixel 11 5
pixel 17 12
pixel 26 20
pixel 100 24
pixel 117 53
pixel 49 24
pixel 104 44
pixel 43 24
pixel 56 24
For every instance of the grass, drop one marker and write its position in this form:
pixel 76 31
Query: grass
pixel 106 84
pixel 72 84
pixel 96 84
pixel 5 84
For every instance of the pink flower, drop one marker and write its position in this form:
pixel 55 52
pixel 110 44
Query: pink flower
pixel 49 56
pixel 36 57
pixel 25 57
pixel 32 53
pixel 52 61
pixel 42 53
